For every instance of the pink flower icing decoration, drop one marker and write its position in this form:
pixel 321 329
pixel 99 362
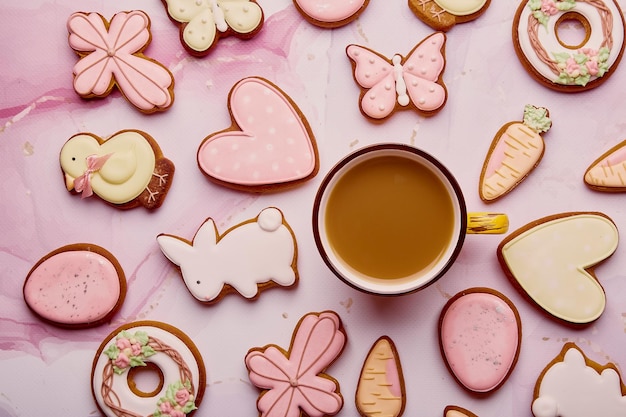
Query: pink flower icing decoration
pixel 549 7
pixel 111 54
pixel 270 143
pixel 294 380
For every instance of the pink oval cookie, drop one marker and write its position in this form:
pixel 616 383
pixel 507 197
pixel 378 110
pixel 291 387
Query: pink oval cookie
pixel 80 285
pixel 480 335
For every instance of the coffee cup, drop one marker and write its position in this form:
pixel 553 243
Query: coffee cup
pixel 390 219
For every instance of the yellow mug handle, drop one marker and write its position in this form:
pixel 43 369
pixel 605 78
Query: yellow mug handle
pixel 487 223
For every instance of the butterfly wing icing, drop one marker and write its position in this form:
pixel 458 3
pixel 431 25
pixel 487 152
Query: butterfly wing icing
pixel 374 74
pixel 242 16
pixel 422 70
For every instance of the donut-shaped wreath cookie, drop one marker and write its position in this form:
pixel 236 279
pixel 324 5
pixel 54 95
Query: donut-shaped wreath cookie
pixel 553 61
pixel 151 347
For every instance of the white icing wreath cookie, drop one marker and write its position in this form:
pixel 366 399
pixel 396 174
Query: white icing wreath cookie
pixel 148 346
pixel 554 63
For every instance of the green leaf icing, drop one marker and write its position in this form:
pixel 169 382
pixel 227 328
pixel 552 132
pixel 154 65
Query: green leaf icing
pixel 543 14
pixel 537 118
pixel 185 403
pixel 129 350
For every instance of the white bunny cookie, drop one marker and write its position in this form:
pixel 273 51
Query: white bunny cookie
pixel 247 258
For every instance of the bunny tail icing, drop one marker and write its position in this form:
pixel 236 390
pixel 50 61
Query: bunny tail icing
pixel 270 219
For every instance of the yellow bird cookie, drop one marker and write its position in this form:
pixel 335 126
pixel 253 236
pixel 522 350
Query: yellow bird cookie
pixel 126 170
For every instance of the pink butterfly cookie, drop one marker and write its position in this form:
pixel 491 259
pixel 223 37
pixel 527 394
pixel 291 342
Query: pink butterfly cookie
pixel 293 381
pixel 111 53
pixel 269 146
pixel 411 82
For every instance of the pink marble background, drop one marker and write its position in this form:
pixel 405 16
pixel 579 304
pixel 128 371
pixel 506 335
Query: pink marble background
pixel 487 87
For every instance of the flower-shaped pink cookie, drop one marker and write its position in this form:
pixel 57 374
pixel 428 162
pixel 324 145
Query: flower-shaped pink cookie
pixel 111 54
pixel 293 380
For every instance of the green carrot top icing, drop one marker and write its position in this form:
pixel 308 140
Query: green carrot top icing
pixel 537 118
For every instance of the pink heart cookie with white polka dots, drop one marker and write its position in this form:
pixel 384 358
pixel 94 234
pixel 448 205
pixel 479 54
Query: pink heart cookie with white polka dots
pixel 269 146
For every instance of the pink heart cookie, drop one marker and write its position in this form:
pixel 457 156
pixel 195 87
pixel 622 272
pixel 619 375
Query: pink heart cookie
pixel 269 146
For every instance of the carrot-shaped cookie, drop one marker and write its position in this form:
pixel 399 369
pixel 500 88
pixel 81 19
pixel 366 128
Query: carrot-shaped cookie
pixel 608 172
pixel 380 391
pixel 515 151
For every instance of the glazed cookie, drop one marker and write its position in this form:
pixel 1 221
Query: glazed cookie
pixel 573 385
pixel 203 22
pixel 76 286
pixel 330 13
pixel 551 261
pixel 126 170
pixel 454 411
pixel 562 66
pixel 608 172
pixel 380 390
pixel 294 381
pixel 412 82
pixel 211 265
pixel 480 334
pixel 444 14
pixel 515 151
pixel 111 54
pixel 269 147
pixel 152 348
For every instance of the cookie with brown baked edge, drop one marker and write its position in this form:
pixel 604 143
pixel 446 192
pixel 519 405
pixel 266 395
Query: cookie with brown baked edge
pixel 551 262
pixel 75 286
pixel 444 14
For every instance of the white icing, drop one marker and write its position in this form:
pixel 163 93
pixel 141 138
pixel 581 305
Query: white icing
pixel 145 406
pixel 203 17
pixel 403 97
pixel 572 389
pixel 247 255
pixel 549 262
pixel 550 42
pixel 461 7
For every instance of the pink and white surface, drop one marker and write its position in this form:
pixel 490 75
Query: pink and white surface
pixel 487 87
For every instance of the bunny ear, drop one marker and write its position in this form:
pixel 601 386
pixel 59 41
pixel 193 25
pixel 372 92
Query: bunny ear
pixel 174 249
pixel 206 236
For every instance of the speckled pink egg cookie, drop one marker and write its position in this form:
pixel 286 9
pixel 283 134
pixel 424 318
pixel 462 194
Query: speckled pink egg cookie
pixel 75 286
pixel 480 335
pixel 269 146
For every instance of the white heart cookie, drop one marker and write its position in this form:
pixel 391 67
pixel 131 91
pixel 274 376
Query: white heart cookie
pixel 551 261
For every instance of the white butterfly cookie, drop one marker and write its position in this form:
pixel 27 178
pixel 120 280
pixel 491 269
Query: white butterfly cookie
pixel 204 22
pixel 411 82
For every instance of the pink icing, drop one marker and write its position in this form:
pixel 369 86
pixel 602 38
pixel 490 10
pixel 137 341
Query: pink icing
pixel 271 145
pixel 496 158
pixel 412 80
pixel 294 381
pixel 616 157
pixel 480 340
pixel 113 55
pixel 330 11
pixel 393 378
pixel 73 287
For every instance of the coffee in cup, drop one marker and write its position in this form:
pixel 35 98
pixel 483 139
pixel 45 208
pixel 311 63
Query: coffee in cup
pixel 390 219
